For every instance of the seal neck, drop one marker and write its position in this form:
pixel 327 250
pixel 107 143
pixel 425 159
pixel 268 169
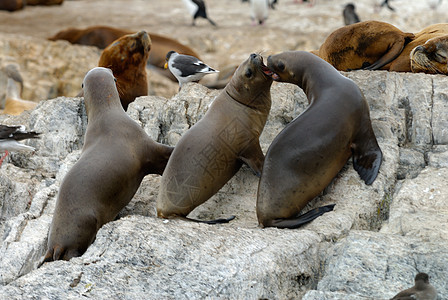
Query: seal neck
pixel 313 80
pixel 261 101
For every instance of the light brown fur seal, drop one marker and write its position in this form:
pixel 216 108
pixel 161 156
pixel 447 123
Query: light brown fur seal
pixel 117 154
pixel 103 36
pixel 13 103
pixel 214 149
pixel 310 151
pixel 366 45
pixel 127 58
pixel 432 41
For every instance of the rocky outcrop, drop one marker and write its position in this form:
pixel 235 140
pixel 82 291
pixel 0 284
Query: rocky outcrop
pixel 370 247
pixel 53 69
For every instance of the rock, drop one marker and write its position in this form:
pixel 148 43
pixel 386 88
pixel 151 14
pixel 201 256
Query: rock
pixel 369 247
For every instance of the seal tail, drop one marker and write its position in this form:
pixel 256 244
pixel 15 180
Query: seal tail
pixel 296 222
pixel 212 222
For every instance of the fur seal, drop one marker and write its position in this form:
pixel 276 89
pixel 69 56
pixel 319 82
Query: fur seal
pixel 422 290
pixel 117 154
pixel 213 150
pixel 12 5
pixel 127 58
pixel 310 151
pixel 44 2
pixel 13 103
pixel 366 45
pixel 103 36
pixel 433 37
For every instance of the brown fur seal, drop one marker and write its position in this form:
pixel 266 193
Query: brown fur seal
pixel 213 150
pixel 44 2
pixel 12 5
pixel 103 36
pixel 127 58
pixel 13 103
pixel 310 151
pixel 422 290
pixel 366 45
pixel 432 36
pixel 117 154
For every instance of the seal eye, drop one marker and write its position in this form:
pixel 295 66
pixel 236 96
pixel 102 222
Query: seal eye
pixel 82 85
pixel 281 66
pixel 248 73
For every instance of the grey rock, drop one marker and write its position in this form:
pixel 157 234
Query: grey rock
pixel 340 254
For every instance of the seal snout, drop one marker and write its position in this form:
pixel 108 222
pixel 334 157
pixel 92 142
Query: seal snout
pixel 272 68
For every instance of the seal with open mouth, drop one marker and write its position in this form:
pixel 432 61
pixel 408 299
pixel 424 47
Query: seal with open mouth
pixel 310 151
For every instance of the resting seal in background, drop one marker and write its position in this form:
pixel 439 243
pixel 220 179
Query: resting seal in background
pixel 117 154
pixel 103 36
pixel 310 151
pixel 127 58
pixel 429 58
pixel 366 45
pixel 214 149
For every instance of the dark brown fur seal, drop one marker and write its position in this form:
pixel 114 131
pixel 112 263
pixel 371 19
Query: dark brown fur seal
pixel 310 151
pixel 103 36
pixel 117 154
pixel 422 290
pixel 12 5
pixel 213 150
pixel 44 2
pixel 127 58
pixel 366 45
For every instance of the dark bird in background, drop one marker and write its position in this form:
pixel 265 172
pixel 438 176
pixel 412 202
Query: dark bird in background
pixel 197 9
pixel 350 16
pixel 10 137
pixel 422 290
pixel 386 2
pixel 186 68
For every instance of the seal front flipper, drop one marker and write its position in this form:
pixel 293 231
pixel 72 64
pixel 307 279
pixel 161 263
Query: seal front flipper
pixel 212 222
pixel 307 217
pixel 253 157
pixel 393 52
pixel 367 162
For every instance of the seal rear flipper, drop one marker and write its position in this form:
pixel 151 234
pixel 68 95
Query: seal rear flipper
pixel 254 158
pixel 307 217
pixel 212 222
pixel 368 164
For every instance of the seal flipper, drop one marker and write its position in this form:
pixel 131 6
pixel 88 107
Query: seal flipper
pixel 253 157
pixel 212 222
pixel 367 158
pixel 296 222
pixel 394 51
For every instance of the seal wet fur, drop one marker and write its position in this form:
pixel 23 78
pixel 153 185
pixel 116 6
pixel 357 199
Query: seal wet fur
pixel 310 151
pixel 116 155
pixel 214 149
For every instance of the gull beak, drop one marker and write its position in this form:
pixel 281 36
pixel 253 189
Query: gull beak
pixel 166 65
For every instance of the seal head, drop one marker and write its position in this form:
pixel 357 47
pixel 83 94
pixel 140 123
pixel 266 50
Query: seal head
pixel 431 57
pixel 127 58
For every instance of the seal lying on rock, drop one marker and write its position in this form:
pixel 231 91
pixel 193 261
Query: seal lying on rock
pixel 310 151
pixel 117 154
pixel 213 150
pixel 366 45
pixel 425 53
pixel 103 36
